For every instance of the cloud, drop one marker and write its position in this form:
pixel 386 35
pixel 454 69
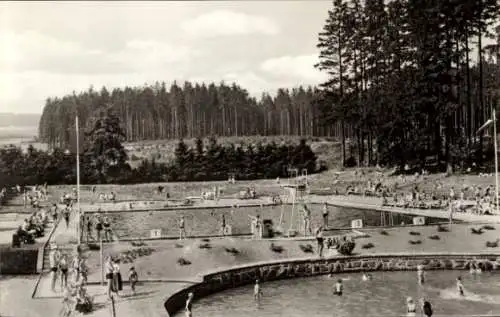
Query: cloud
pixel 224 23
pixel 297 67
pixel 32 51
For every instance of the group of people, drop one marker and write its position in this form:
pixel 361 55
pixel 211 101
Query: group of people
pixel 114 282
pixel 97 227
pixel 32 227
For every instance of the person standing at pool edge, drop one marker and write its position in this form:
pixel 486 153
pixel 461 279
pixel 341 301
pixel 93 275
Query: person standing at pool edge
pixel 319 239
pixel 460 286
pixel 420 274
pixel 325 215
pixel 257 292
pixel 182 229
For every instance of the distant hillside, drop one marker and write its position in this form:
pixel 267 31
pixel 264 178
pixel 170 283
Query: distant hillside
pixel 19 120
pixel 18 127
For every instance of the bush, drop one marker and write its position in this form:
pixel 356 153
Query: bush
pixel 492 244
pixel 434 237
pixel 346 247
pixel 350 162
pixel 276 248
pixel 232 251
pixel 442 229
pixel 183 261
pixel 414 233
pixel 179 246
pixel 384 233
pixel 488 227
pixel 476 231
pixel 307 248
pixel 205 246
pixel 415 242
pixel 368 246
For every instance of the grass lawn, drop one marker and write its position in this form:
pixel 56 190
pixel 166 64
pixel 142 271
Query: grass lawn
pixel 162 262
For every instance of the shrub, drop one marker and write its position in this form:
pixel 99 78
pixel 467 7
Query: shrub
pixel 414 233
pixel 368 246
pixel 183 261
pixel 435 237
pixel 350 162
pixel 442 229
pixel 306 248
pixel 346 247
pixel 492 244
pixel 179 246
pixel 415 242
pixel 476 231
pixel 384 233
pixel 276 248
pixel 488 227
pixel 205 240
pixel 205 246
pixel 232 250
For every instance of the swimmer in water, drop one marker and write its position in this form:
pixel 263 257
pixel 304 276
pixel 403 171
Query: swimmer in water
pixel 257 292
pixel 460 286
pixel 367 277
pixel 411 307
pixel 338 288
pixel 420 274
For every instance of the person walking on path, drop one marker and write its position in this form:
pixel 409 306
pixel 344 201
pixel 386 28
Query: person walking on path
pixel 54 258
pixel 257 291
pixel 108 270
pixel 63 267
pixel 66 213
pixel 117 278
pixel 133 278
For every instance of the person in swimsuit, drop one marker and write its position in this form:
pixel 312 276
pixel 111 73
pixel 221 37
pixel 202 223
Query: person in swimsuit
pixel 54 257
pixel 411 308
pixel 66 213
pixel 98 228
pixel 320 240
pixel 257 292
pixel 223 225
pixel 325 215
pixel 460 286
pixel 339 288
pixel 426 307
pixel 108 270
pixel 420 274
pixel 182 228
pixel 366 277
pixel 189 305
pixel 63 266
pixel 107 229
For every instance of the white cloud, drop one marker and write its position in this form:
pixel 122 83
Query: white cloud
pixel 224 22
pixel 298 67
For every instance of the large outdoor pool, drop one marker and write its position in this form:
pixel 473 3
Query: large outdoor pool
pixel 385 296
pixel 208 221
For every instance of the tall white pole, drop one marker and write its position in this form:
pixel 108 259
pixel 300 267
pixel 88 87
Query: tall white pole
pixel 496 157
pixel 78 180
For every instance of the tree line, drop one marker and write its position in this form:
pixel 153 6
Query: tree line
pixel 104 160
pixel 403 81
pixel 187 111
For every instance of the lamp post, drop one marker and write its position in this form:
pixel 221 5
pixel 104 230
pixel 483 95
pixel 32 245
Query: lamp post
pixel 79 224
pixel 484 126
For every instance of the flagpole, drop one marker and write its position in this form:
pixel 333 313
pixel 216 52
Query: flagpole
pixel 496 157
pixel 78 179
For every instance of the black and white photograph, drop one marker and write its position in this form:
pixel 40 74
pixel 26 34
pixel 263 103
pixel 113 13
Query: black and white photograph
pixel 265 158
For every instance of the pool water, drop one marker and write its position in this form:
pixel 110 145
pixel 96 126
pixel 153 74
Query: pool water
pixel 208 221
pixel 384 295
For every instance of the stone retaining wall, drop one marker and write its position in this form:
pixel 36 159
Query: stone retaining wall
pixel 18 260
pixel 243 275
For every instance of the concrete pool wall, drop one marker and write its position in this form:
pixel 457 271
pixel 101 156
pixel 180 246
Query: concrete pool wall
pixel 220 280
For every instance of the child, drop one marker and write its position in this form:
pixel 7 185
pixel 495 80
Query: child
pixel 132 278
pixel 338 288
pixel 460 286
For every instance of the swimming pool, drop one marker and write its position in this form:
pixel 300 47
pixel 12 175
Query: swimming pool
pixel 208 221
pixel 384 295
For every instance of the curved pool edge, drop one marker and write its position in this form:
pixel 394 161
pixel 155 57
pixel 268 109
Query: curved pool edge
pixel 222 279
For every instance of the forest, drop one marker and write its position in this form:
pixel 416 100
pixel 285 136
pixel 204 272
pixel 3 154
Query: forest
pixel 410 82
pixel 104 160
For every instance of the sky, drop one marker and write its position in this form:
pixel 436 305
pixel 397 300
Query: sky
pixel 50 49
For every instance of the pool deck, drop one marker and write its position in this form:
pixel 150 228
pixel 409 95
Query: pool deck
pixel 150 302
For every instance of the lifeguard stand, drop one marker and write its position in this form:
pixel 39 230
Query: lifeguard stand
pixel 295 190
